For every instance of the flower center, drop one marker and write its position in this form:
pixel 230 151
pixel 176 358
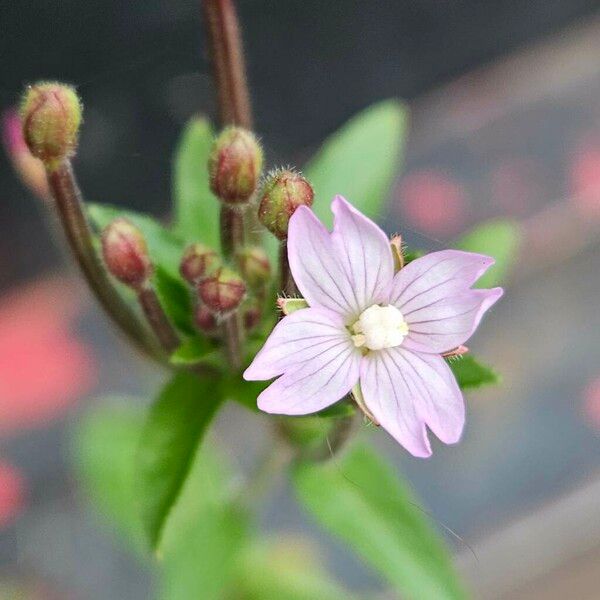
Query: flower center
pixel 379 327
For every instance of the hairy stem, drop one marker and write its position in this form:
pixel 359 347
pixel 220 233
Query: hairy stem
pixel 69 204
pixel 167 336
pixel 232 230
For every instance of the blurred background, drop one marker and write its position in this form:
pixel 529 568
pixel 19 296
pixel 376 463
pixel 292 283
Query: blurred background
pixel 505 105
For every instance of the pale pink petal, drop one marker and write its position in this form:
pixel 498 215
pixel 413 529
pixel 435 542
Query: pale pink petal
pixel 389 398
pixel 435 392
pixel 314 385
pixel 300 336
pixel 315 267
pixel 433 293
pixel 449 322
pixel 364 253
pixel 406 390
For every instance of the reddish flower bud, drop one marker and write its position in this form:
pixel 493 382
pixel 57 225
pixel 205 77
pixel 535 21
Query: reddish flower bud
pixel 282 193
pixel 251 314
pixel 51 116
pixel 198 262
pixel 254 266
pixel 234 165
pixel 205 320
pixel 125 253
pixel 223 291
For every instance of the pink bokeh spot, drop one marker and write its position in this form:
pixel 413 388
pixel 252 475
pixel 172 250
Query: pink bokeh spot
pixel 591 404
pixel 44 368
pixel 433 201
pixel 585 178
pixel 12 493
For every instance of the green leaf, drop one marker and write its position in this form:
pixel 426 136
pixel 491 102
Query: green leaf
pixel 205 534
pixel 472 374
pixel 499 238
pixel 164 247
pixel 105 441
pixel 174 297
pixel 244 392
pixel 172 434
pixel 196 209
pixel 196 350
pixel 359 161
pixel 286 568
pixel 360 500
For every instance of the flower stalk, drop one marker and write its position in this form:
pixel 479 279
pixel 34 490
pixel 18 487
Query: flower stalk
pixel 69 203
pixel 229 72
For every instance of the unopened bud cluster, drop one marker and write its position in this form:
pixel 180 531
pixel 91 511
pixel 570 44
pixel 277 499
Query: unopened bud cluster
pixel 235 165
pixel 283 191
pixel 223 291
pixel 254 265
pixel 126 254
pixel 51 116
pixel 198 262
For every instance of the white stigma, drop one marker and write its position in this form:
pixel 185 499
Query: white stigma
pixel 379 327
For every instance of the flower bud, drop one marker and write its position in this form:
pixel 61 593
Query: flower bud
pixel 254 266
pixel 51 115
pixel 282 193
pixel 125 253
pixel 30 169
pixel 198 262
pixel 223 291
pixel 251 314
pixel 205 320
pixel 234 165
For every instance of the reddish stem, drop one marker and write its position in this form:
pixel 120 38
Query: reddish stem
pixel 228 62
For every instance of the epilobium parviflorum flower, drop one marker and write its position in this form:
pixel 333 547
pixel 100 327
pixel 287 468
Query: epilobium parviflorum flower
pixel 366 325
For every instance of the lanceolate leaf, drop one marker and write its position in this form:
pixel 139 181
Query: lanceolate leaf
pixel 359 161
pixel 360 500
pixel 286 569
pixel 499 238
pixel 104 446
pixel 164 247
pixel 171 437
pixel 205 533
pixel 470 373
pixel 196 209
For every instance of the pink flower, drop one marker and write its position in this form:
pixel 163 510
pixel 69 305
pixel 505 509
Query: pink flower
pixel 366 324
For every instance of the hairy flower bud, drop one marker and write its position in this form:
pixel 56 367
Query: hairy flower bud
pixel 223 291
pixel 125 253
pixel 254 266
pixel 51 116
pixel 234 165
pixel 198 262
pixel 30 169
pixel 282 193
pixel 205 320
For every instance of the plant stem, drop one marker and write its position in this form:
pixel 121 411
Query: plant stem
pixel 232 230
pixel 288 285
pixel 158 320
pixel 69 203
pixel 228 62
pixel 234 105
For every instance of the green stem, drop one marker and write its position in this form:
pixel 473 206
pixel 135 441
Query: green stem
pixel 69 204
